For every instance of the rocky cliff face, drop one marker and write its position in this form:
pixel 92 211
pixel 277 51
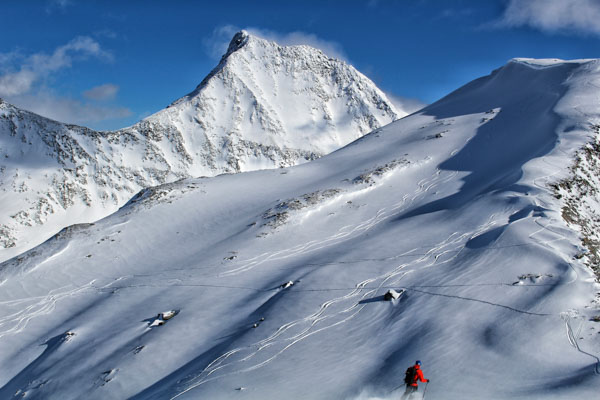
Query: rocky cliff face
pixel 263 106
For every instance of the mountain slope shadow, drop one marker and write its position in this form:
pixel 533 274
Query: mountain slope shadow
pixel 22 382
pixel 485 239
pixel 525 128
pixel 559 384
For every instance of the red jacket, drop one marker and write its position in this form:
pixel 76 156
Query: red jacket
pixel 418 376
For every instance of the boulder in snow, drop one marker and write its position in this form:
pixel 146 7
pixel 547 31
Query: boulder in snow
pixel 287 284
pixel 392 295
pixel 163 317
pixel 167 315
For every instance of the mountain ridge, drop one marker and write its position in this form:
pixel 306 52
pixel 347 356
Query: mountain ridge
pixel 263 106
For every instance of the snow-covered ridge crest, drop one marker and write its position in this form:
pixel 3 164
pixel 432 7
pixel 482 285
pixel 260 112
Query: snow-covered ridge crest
pixel 548 62
pixel 263 106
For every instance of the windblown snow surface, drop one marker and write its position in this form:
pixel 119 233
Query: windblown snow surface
pixel 271 283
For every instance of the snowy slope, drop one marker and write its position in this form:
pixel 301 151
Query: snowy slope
pixel 452 204
pixel 267 105
pixel 263 106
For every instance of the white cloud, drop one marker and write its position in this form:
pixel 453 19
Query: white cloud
pixel 24 83
pixel 216 44
pixel 407 104
pixel 108 91
pixel 580 16
pixel 80 48
pixel 45 102
pixel 331 48
pixel 6 59
pixel 20 79
pixel 17 83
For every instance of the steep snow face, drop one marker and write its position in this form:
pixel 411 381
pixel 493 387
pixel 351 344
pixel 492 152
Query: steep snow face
pixel 450 207
pixel 263 106
pixel 267 105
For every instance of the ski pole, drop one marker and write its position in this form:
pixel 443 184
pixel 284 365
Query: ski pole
pixel 396 388
pixel 425 390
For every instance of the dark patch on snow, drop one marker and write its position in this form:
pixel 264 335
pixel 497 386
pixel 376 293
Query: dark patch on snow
pixel 161 318
pixel 376 299
pixel 377 172
pixel 525 211
pixel 138 349
pixel 485 239
pixel 563 382
pixel 21 383
pixel 107 376
pixel 280 214
pixel 438 135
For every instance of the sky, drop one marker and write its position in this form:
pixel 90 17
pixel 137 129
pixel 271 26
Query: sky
pixel 108 64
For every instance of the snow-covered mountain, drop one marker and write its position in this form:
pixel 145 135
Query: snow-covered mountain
pixel 263 106
pixel 271 283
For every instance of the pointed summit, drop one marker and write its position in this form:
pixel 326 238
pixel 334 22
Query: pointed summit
pixel 237 42
pixel 288 103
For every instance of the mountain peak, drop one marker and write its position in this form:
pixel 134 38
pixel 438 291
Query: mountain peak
pixel 259 46
pixel 239 40
pixel 250 94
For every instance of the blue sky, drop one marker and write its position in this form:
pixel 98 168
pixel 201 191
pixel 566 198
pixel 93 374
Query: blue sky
pixel 107 64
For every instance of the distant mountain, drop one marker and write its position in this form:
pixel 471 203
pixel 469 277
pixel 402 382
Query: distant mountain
pixel 481 211
pixel 263 106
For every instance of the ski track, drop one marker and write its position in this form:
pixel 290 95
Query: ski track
pixel 42 305
pixel 572 338
pixel 346 232
pixel 566 316
pixel 235 361
pixel 453 244
pixel 247 353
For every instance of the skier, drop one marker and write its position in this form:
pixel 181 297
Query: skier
pixel 413 375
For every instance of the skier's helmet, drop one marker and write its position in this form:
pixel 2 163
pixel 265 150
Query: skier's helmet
pixel 418 362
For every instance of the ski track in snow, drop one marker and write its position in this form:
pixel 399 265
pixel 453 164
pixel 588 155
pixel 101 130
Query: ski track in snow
pixel 284 338
pixel 236 360
pixel 41 305
pixel 453 244
pixel 346 232
pixel 566 316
